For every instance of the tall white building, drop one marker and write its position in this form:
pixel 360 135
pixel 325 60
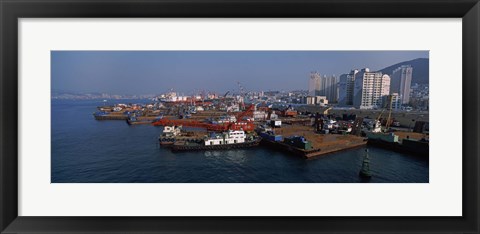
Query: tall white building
pixel 369 89
pixel 386 81
pixel 345 88
pixel 401 81
pixel 314 84
pixel 342 89
pixel 323 86
pixel 328 87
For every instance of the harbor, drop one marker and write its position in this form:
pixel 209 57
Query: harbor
pixel 271 121
pixel 115 152
pixel 295 130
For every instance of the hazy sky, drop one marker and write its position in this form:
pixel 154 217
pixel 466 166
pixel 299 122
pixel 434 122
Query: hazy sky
pixel 154 72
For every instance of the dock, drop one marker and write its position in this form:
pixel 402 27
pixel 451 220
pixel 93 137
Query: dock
pixel 322 144
pixel 306 134
pixel 124 117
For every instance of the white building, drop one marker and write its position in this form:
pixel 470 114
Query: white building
pixel 314 83
pixel 323 86
pixel 346 87
pixel 316 100
pixel 369 89
pixel 342 89
pixel 259 115
pixel 321 100
pixel 401 82
pixel 310 100
pixel 328 87
pixel 386 81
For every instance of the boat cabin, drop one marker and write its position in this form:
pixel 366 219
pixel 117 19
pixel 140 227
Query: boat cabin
pixel 230 137
pixel 172 130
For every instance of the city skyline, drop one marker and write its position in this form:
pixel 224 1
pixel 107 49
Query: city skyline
pixel 153 72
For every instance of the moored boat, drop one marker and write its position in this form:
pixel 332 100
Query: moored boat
pixel 391 141
pixel 168 135
pixel 233 139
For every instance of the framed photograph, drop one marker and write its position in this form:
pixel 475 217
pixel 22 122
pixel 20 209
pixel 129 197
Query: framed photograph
pixel 253 116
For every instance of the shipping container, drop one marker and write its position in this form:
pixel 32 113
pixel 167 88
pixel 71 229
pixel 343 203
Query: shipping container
pixel 299 142
pixel 271 137
pixel 275 123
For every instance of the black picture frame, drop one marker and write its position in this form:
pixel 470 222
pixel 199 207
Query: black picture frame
pixel 11 11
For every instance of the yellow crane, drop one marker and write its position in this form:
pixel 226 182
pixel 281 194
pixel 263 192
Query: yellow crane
pixel 325 112
pixel 390 100
pixel 389 107
pixel 380 115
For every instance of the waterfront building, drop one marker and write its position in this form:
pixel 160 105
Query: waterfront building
pixel 401 82
pixel 369 89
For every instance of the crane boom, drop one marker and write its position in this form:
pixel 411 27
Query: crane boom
pixel 390 100
pixel 246 112
pixel 246 126
pixel 239 125
pixel 326 111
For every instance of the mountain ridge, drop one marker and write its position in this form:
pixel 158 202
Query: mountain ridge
pixel 420 66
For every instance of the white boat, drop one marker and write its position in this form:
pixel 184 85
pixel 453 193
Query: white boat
pixel 233 139
pixel 230 137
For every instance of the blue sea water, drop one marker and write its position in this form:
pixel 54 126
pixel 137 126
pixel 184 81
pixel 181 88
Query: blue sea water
pixel 85 150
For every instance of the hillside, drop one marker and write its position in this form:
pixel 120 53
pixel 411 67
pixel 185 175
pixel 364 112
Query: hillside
pixel 420 69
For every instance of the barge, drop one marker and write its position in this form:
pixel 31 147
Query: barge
pixel 102 115
pixel 300 146
pixel 408 146
pixel 312 152
pixel 391 141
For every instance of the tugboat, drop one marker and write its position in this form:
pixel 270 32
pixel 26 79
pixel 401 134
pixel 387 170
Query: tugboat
pixel 365 171
pixel 233 139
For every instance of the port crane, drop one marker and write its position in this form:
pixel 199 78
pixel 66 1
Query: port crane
pixel 390 101
pixel 242 94
pixel 325 112
pixel 389 107
pixel 239 125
